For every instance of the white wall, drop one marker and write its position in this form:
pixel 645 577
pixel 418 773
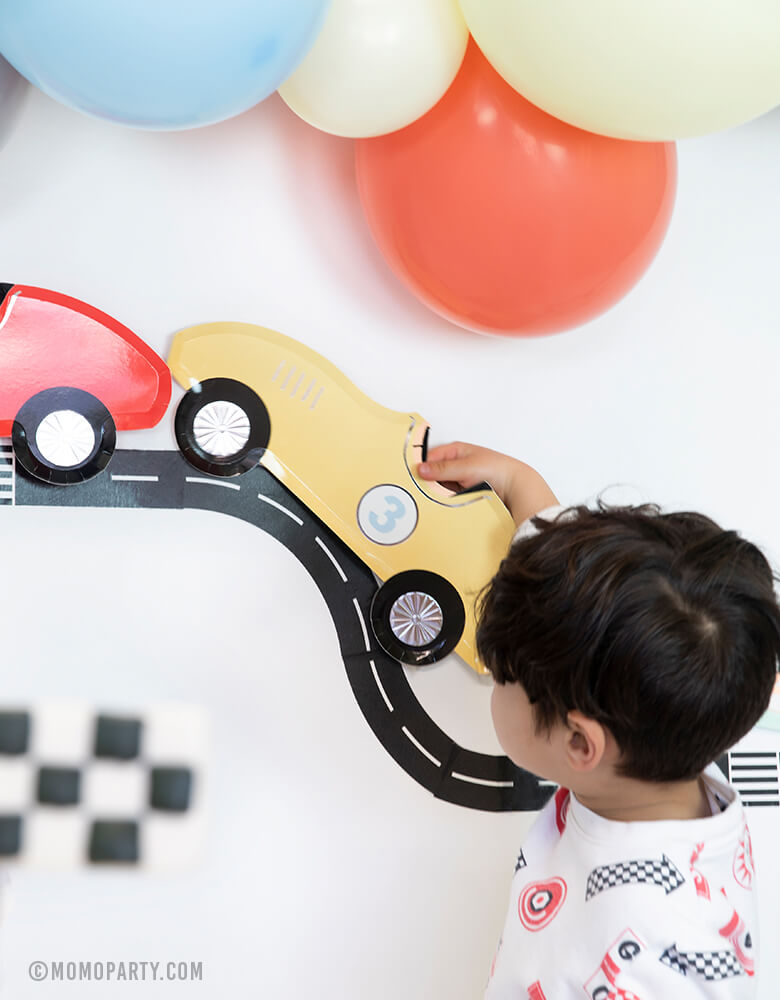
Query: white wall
pixel 329 872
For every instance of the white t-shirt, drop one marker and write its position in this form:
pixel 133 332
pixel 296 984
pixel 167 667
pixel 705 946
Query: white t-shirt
pixel 631 911
pixel 661 910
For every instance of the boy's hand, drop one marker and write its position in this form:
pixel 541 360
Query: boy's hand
pixel 520 487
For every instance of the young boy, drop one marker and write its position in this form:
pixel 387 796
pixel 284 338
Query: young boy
pixel 629 649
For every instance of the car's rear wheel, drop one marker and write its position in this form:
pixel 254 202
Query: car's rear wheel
pixel 222 427
pixel 63 436
pixel 417 617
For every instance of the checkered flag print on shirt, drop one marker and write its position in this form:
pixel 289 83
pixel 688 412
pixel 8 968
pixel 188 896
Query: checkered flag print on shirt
pixel 710 965
pixel 662 873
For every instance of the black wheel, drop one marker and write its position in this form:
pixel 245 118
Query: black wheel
pixel 63 436
pixel 417 617
pixel 222 427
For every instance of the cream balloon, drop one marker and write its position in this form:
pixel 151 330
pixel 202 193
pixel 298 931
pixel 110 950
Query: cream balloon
pixel 378 65
pixel 636 69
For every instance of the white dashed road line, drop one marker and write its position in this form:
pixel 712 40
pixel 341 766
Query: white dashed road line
pixel 420 747
pixel 379 685
pixel 211 482
pixel 483 781
pixel 135 479
pixel 332 558
pixel 278 506
pixel 362 621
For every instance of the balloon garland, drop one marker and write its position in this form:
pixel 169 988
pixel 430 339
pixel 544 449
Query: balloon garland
pixel 498 177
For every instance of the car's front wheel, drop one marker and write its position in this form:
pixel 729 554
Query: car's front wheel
pixel 63 436
pixel 417 617
pixel 222 427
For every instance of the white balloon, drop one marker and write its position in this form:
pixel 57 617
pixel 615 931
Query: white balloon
pixel 636 69
pixel 378 65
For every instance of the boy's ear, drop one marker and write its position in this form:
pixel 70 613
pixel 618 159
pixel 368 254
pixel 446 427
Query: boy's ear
pixel 586 741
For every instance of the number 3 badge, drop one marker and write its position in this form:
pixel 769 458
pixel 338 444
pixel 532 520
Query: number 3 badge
pixel 387 515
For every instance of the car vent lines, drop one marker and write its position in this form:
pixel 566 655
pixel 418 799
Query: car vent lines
pixel 297 383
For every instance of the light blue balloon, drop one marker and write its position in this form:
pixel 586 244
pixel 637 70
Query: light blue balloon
pixel 159 64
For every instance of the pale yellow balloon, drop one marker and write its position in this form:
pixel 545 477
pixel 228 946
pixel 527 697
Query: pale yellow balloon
pixel 636 69
pixel 378 65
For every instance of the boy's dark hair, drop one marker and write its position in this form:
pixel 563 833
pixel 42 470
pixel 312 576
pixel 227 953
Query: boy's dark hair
pixel 662 627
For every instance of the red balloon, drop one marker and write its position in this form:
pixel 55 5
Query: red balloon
pixel 506 220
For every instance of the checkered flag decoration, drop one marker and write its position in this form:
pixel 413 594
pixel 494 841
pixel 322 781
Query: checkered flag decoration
pixel 710 965
pixel 662 873
pixel 84 787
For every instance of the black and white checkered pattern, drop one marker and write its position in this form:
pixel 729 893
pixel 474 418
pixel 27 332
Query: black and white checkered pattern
pixel 755 775
pixel 84 787
pixel 7 474
pixel 662 873
pixel 709 965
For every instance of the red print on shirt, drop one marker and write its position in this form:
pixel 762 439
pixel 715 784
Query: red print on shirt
pixel 540 903
pixel 743 860
pixel 561 808
pixel 535 991
pixel 603 984
pixel 737 933
pixel 701 883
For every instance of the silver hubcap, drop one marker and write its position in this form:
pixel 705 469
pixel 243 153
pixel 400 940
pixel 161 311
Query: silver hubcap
pixel 221 428
pixel 65 438
pixel 416 619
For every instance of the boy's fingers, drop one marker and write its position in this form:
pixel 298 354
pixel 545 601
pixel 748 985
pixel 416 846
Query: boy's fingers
pixel 456 470
pixel 449 452
pixel 456 462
